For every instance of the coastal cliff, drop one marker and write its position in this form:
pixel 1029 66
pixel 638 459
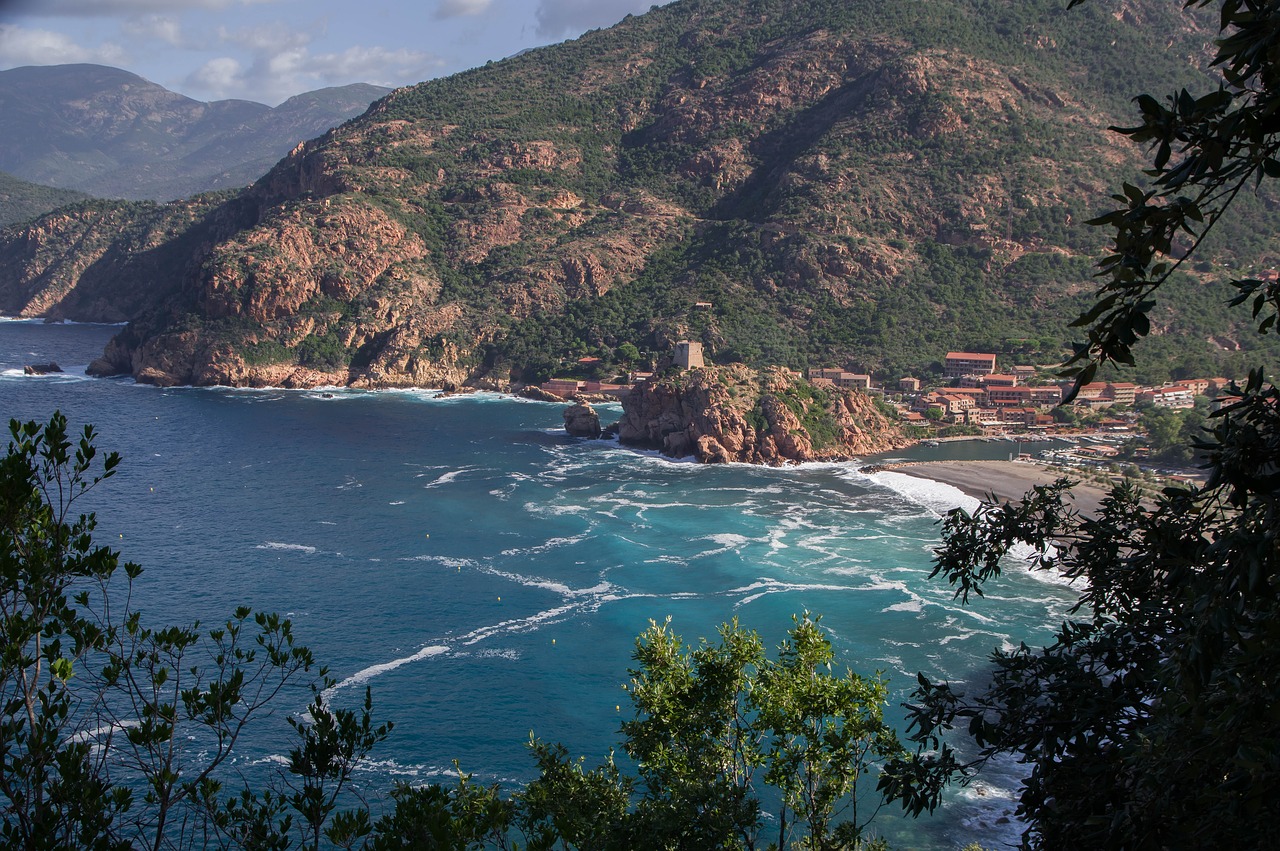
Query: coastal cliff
pixel 809 184
pixel 733 413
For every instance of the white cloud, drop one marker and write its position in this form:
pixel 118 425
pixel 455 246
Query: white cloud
pixel 285 66
pixel 461 8
pixel 558 18
pixel 24 46
pixel 221 77
pixel 148 27
pixel 266 38
pixel 114 8
pixel 373 65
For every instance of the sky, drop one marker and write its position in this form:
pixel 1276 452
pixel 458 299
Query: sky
pixel 269 50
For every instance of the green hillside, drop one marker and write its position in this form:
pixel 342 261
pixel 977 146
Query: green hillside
pixel 20 200
pixel 863 184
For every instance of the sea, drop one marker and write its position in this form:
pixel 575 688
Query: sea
pixel 486 576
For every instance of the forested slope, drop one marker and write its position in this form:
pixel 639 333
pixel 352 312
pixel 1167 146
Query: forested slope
pixel 865 184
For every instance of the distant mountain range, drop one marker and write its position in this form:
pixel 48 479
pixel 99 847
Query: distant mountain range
pixel 112 134
pixel 864 185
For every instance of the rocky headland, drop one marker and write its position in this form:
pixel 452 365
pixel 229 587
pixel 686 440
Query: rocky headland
pixel 736 414
pixel 803 184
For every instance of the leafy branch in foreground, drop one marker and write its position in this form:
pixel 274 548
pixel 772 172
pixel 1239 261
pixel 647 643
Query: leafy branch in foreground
pixel 1150 721
pixel 1206 150
pixel 116 734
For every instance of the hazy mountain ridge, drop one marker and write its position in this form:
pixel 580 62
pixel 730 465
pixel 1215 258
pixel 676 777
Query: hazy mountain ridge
pixel 110 133
pixel 866 184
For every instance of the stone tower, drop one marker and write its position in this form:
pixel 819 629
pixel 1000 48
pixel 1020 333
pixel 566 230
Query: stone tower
pixel 689 354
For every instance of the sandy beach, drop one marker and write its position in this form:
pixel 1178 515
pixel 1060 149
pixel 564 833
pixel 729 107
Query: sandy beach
pixel 1006 480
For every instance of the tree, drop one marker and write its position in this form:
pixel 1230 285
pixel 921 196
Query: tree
pixel 1151 720
pixel 1205 151
pixel 714 719
pixel 114 733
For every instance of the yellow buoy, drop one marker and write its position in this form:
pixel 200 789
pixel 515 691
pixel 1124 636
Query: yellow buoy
pixel 553 641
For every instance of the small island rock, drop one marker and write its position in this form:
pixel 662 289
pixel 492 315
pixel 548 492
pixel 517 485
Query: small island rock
pixel 581 420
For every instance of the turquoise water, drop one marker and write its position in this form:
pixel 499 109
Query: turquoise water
pixel 486 575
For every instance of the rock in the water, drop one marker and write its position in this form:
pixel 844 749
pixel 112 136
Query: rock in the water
pixel 734 414
pixel 41 368
pixel 581 420
pixel 536 393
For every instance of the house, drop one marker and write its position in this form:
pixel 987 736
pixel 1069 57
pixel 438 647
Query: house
pixel 562 387
pixel 959 364
pixel 1122 392
pixel 909 384
pixel 849 380
pixel 981 416
pixel 1175 396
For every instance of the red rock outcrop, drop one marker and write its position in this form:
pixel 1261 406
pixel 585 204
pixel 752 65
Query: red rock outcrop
pixel 733 414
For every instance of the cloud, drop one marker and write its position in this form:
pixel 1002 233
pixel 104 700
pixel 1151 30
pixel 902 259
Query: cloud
pixel 115 8
pixel 148 27
pixel 557 18
pixel 284 68
pixel 24 46
pixel 221 76
pixel 461 8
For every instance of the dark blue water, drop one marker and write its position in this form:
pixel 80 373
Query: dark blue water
pixel 486 575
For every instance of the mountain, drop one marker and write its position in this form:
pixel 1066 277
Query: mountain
pixel 113 134
pixel 861 184
pixel 20 200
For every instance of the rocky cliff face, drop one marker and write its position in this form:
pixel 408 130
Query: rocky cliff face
pixel 834 183
pixel 727 414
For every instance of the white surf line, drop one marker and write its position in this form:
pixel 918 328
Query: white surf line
pixel 516 625
pixel 363 676
pixel 594 598
pixel 448 477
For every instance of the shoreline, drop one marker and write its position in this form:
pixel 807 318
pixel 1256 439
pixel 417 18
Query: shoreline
pixel 1007 481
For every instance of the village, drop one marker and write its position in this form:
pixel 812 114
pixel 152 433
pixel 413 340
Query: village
pixel 974 399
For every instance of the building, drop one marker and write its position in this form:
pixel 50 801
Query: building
pixel 1174 396
pixel 909 385
pixel 853 381
pixel 1122 392
pixel 689 355
pixel 981 416
pixel 562 387
pixel 839 378
pixel 959 364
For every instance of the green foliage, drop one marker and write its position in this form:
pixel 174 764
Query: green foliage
pixel 20 200
pixel 325 352
pixel 1205 151
pixel 267 351
pixel 1149 721
pixel 1172 434
pixel 715 719
pixel 98 706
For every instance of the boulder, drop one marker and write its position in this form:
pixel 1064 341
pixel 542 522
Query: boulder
pixel 41 368
pixel 581 420
pixel 537 394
